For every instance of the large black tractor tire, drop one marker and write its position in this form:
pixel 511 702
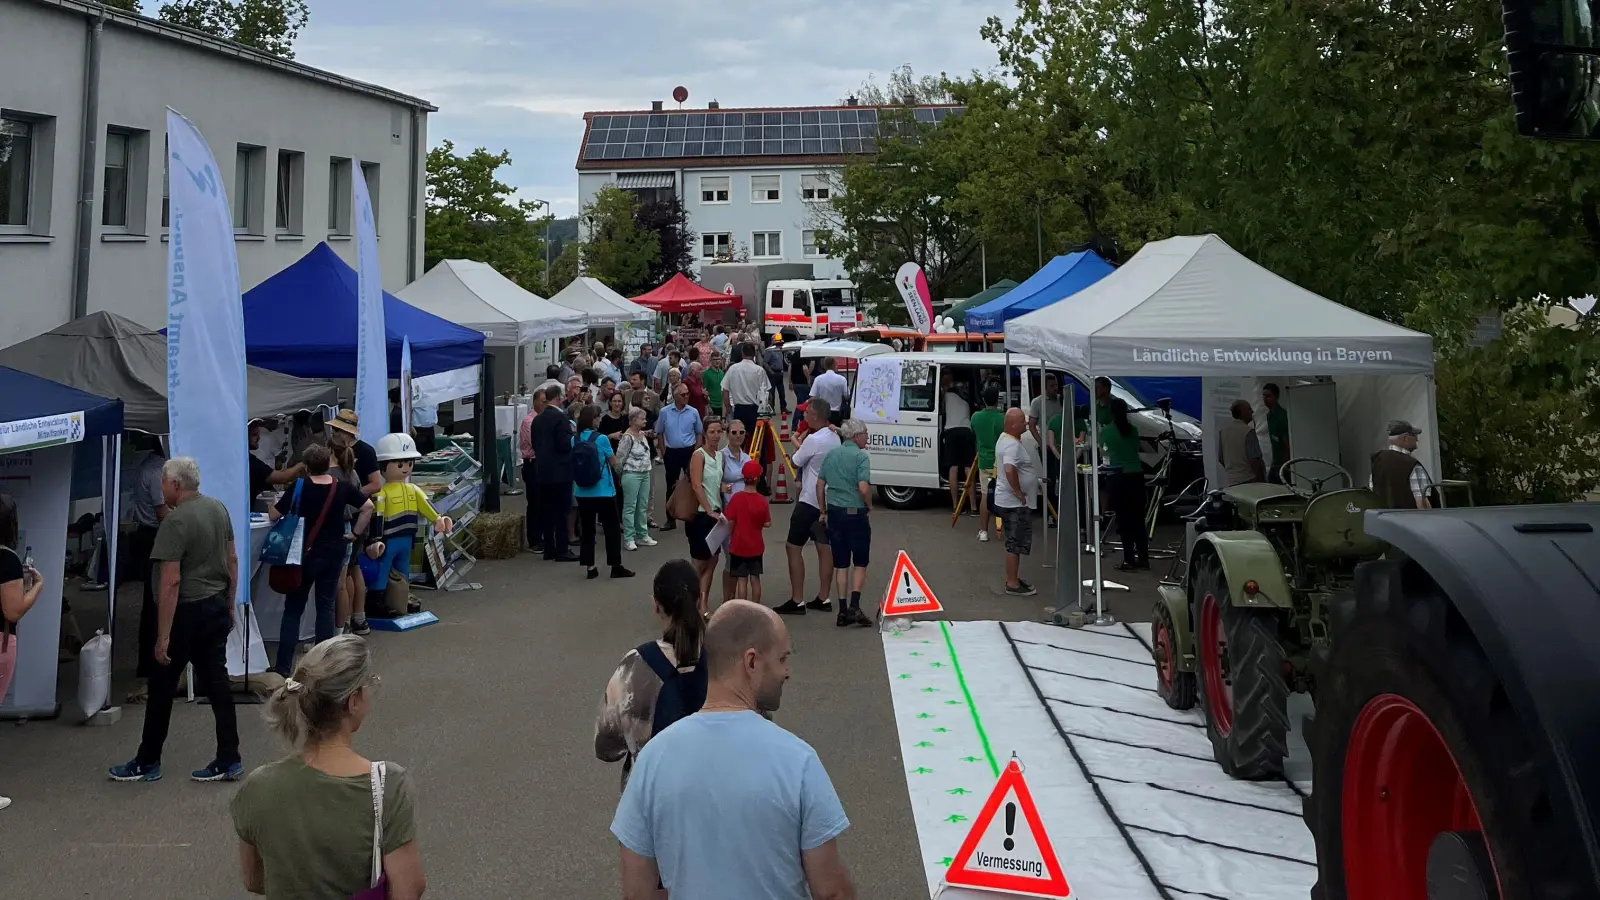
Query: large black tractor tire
pixel 1416 749
pixel 1244 694
pixel 1177 688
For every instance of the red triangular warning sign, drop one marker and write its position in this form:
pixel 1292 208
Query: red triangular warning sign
pixel 1007 849
pixel 908 593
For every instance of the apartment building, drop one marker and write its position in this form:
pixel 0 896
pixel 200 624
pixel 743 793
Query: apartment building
pixel 750 179
pixel 83 188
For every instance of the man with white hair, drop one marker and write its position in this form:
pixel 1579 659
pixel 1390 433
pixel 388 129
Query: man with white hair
pixel 197 570
pixel 844 489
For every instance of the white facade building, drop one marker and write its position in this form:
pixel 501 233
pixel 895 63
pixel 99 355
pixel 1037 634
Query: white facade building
pixel 750 179
pixel 79 83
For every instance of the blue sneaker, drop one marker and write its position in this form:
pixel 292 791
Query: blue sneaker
pixel 216 770
pixel 134 770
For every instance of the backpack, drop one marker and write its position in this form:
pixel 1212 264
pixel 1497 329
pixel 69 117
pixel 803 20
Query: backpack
pixel 682 693
pixel 587 467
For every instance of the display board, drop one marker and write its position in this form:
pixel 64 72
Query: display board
pixel 1313 409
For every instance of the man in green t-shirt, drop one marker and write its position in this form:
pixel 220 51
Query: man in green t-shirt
pixel 844 491
pixel 711 380
pixel 1277 430
pixel 987 424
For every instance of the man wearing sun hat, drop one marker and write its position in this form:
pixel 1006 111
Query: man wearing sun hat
pixel 344 431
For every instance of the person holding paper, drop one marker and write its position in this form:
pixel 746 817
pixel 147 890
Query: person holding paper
pixel 705 477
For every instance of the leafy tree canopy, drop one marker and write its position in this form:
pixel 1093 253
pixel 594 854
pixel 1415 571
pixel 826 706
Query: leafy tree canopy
pixel 270 26
pixel 471 214
pixel 617 249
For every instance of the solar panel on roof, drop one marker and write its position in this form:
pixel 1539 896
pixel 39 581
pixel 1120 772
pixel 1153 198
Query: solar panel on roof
pixel 695 133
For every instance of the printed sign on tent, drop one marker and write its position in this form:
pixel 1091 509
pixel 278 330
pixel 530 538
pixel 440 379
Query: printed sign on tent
pixel 908 593
pixel 1007 849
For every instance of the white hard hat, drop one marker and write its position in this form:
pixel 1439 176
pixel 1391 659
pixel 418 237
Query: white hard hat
pixel 397 447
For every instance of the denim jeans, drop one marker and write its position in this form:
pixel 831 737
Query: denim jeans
pixel 635 505
pixel 320 570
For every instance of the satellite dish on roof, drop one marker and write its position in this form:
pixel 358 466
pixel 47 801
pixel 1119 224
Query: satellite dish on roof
pixel 680 93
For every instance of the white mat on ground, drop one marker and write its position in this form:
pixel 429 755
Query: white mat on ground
pixel 962 700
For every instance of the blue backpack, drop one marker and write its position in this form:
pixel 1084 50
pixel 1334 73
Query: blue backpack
pixel 587 466
pixel 682 693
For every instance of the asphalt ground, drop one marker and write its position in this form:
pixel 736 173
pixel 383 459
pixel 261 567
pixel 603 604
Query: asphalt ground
pixel 492 710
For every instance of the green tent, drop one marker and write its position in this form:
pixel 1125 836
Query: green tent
pixel 959 311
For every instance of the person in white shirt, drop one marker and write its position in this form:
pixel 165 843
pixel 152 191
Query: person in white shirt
pixel 832 387
pixel 1015 481
pixel 745 386
pixel 958 447
pixel 805 522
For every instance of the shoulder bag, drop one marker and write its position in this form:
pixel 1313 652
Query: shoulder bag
pixel 378 885
pixel 286 579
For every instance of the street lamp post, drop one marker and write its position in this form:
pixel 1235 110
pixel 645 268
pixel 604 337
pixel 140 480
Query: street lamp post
pixel 549 220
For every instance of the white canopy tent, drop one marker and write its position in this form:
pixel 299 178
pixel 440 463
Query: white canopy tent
pixel 1194 307
pixel 473 294
pixel 601 304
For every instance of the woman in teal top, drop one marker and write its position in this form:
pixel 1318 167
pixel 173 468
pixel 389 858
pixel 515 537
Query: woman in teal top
pixel 599 500
pixel 1121 442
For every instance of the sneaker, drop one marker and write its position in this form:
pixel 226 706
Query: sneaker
pixel 133 770
pixel 844 618
pixel 648 541
pixel 861 618
pixel 819 604
pixel 218 771
pixel 593 573
pixel 360 626
pixel 630 546
pixel 983 536
pixel 790 608
pixel 620 572
pixel 1022 589
pixel 5 802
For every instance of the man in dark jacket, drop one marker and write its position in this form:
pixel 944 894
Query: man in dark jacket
pixel 1398 478
pixel 551 436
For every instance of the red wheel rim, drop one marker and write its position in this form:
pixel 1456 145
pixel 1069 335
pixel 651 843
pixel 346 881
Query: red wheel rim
pixel 1165 664
pixel 1213 649
pixel 1402 787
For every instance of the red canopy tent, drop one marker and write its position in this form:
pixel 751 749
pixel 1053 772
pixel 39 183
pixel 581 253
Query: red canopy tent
pixel 682 295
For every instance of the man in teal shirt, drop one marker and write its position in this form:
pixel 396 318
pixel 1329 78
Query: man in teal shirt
pixel 1277 430
pixel 844 491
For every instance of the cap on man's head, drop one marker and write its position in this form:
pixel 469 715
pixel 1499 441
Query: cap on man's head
pixel 1398 427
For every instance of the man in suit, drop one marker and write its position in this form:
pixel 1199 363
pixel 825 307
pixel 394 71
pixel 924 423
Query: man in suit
pixel 551 436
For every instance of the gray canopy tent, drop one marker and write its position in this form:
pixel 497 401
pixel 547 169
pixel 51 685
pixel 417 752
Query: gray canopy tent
pixel 106 354
pixel 1194 307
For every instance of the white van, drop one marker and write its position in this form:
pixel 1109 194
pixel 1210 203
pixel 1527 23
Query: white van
pixel 905 455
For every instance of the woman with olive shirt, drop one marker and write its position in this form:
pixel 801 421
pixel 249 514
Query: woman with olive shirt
pixel 705 476
pixel 19 589
pixel 1121 441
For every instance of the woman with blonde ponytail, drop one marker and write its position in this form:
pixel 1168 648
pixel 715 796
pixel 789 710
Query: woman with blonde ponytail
pixel 325 823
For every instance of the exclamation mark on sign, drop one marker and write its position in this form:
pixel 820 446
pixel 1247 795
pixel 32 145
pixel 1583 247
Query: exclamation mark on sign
pixel 907 577
pixel 1011 825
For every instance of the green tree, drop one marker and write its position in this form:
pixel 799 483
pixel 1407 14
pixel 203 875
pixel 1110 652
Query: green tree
pixel 270 26
pixel 902 87
pixel 564 268
pixel 670 222
pixel 616 250
pixel 471 214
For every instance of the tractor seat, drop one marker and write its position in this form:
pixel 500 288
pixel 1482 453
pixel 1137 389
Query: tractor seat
pixel 1332 527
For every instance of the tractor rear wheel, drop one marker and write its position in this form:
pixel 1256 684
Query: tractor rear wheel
pixel 1176 687
pixel 1427 784
pixel 1242 685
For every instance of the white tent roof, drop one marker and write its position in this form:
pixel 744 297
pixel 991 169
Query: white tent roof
pixel 474 295
pixel 1190 306
pixel 601 304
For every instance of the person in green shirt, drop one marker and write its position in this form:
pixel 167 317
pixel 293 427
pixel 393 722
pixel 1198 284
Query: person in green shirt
pixel 1120 439
pixel 1277 430
pixel 711 380
pixel 987 424
pixel 844 489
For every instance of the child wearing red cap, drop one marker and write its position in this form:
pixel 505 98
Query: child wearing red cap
pixel 747 513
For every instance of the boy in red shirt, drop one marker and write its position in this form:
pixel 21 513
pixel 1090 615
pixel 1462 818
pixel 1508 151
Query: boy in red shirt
pixel 748 514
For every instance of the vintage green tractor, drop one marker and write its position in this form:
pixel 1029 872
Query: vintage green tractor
pixel 1236 631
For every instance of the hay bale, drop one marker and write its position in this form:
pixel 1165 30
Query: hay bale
pixel 500 535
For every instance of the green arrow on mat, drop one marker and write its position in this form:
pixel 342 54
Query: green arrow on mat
pixel 905 676
pixel 937 665
pixel 952 703
pixel 941 731
pixel 915 653
pixel 958 791
pixel 927 642
pixel 924 715
pixel 930 690
pixel 946 861
pixel 956 819
pixel 919 770
pixel 970 759
pixel 922 744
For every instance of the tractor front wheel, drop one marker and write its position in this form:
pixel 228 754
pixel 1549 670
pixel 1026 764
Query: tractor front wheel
pixel 1427 783
pixel 1242 685
pixel 1176 687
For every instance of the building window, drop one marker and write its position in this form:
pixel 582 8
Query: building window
pixel 289 207
pixel 249 189
pixel 716 246
pixel 766 244
pixel 16 170
pixel 809 241
pixel 114 192
pixel 815 188
pixel 713 189
pixel 369 174
pixel 339 196
pixel 766 188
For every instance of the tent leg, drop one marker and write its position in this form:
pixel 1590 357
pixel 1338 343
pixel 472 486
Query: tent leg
pixel 1100 617
pixel 1069 567
pixel 487 451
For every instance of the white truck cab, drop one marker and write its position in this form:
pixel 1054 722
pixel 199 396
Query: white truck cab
pixel 802 305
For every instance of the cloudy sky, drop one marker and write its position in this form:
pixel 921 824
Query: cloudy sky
pixel 519 74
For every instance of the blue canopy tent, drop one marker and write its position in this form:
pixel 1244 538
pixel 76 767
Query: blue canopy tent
pixel 1059 279
pixel 29 397
pixel 302 321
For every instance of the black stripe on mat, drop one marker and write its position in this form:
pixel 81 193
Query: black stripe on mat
pixel 1140 638
pixel 1195 840
pixel 1084 768
pixel 1131 687
pixel 1173 790
pixel 1294 787
pixel 1195 893
pixel 1131 662
pixel 1104 740
pixel 1124 712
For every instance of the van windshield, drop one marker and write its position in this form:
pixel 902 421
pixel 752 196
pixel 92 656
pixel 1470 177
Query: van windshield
pixel 826 297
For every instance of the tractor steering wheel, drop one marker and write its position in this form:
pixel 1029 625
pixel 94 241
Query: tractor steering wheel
pixel 1287 473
